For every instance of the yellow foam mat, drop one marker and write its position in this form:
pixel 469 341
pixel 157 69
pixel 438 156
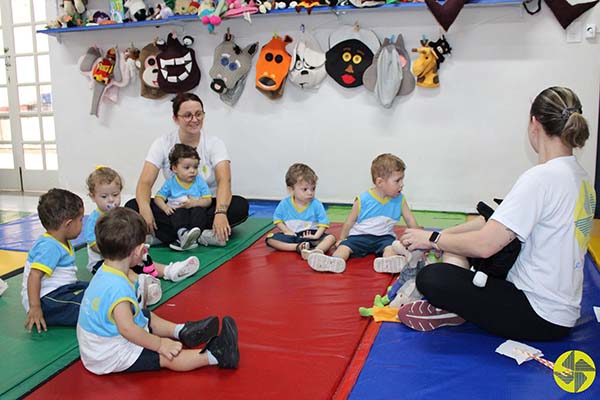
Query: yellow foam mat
pixel 11 260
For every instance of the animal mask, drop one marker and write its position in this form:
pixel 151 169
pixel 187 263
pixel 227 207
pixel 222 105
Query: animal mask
pixel 307 68
pixel 389 75
pixel 446 13
pixel 148 66
pixel 431 55
pixel 272 67
pixel 177 66
pixel 230 69
pixel 566 13
pixel 350 54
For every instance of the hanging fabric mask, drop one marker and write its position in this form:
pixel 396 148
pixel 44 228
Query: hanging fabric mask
pixel 307 68
pixel 177 66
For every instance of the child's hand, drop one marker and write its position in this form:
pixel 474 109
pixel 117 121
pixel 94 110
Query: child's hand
pixel 35 317
pixel 187 203
pixel 169 348
pixel 169 210
pixel 308 235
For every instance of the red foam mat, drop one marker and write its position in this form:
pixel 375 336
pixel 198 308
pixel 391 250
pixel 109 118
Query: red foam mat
pixel 298 331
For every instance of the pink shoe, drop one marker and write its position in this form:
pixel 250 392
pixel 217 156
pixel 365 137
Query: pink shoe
pixel 422 316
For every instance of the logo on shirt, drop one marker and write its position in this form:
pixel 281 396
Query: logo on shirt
pixel 574 371
pixel 584 214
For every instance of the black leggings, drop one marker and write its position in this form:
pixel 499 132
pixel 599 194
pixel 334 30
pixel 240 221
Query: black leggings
pixel 167 233
pixel 499 307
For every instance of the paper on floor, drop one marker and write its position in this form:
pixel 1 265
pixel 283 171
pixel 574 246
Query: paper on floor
pixel 511 348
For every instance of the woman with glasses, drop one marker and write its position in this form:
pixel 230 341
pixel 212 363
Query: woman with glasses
pixel 226 210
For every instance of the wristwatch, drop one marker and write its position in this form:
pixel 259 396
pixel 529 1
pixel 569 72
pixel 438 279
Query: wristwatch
pixel 435 236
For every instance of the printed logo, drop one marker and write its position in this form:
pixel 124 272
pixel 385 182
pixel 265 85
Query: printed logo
pixel 574 371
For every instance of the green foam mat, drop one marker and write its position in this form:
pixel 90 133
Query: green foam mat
pixel 427 219
pixel 7 216
pixel 32 358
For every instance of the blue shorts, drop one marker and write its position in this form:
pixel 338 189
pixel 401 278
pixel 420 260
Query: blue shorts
pixel 148 360
pixel 282 237
pixel 362 245
pixel 61 306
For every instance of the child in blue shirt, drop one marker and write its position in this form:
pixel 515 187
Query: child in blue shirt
pixel 115 334
pixel 185 198
pixel 51 293
pixel 369 228
pixel 300 217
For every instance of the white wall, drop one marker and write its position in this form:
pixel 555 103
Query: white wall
pixel 462 142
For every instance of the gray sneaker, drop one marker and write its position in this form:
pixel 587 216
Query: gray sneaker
pixel 187 241
pixel 208 238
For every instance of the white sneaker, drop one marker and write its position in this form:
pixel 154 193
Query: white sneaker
pixel 187 241
pixel 180 270
pixel 323 263
pixel 390 265
pixel 307 252
pixel 3 287
pixel 149 291
pixel 208 238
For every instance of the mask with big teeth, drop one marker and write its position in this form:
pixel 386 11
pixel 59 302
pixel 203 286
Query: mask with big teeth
pixel 178 70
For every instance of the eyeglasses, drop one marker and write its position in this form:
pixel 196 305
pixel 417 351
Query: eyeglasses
pixel 187 117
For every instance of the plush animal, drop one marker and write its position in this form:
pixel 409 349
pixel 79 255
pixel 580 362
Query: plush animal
pixel 307 68
pixel 431 55
pixel 389 75
pixel 181 7
pixel 272 67
pixel 132 55
pixel 107 73
pixel 162 11
pixel 237 8
pixel 148 66
pixel 177 66
pixel 73 7
pixel 137 10
pixel 210 14
pixel 230 69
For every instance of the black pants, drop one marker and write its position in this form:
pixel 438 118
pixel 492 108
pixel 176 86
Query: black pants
pixel 167 232
pixel 499 307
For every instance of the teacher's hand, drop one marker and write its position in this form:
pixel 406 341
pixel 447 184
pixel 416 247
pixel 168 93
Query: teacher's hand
pixel 221 227
pixel 416 239
pixel 146 213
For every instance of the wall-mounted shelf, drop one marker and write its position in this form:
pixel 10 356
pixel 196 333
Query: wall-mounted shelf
pixel 179 20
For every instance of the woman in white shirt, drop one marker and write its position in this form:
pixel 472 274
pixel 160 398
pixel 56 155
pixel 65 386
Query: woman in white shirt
pixel 550 210
pixel 226 210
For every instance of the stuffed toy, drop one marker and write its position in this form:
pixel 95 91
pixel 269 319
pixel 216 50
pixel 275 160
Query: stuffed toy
pixel 446 13
pixel 181 7
pixel 230 69
pixel 272 67
pixel 264 6
pixel 210 14
pixel 389 75
pixel 162 11
pixel 137 10
pixel 177 66
pixel 236 8
pixel 108 73
pixel 148 66
pixel 132 55
pixel 307 68
pixel 73 7
pixel 431 55
pixel 350 53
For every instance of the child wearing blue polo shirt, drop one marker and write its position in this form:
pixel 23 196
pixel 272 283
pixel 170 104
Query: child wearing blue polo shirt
pixel 301 217
pixel 51 293
pixel 185 197
pixel 115 334
pixel 369 228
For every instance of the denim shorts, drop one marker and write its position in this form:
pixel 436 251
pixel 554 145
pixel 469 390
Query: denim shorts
pixel 282 237
pixel 362 245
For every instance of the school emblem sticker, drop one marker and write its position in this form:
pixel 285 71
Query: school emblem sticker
pixel 574 371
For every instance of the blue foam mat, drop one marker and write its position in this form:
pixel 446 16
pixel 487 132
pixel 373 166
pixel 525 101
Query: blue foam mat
pixel 461 362
pixel 20 235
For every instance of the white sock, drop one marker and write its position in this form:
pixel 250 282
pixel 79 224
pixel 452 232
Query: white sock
pixel 176 331
pixel 211 359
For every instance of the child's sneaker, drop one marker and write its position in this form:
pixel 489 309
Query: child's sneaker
pixel 187 241
pixel 323 263
pixel 225 346
pixel 408 293
pixel 208 238
pixel 149 291
pixel 307 252
pixel 390 265
pixel 422 316
pixel 195 332
pixel 180 270
pixel 3 287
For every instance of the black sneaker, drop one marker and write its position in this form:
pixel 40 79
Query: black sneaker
pixel 225 346
pixel 195 332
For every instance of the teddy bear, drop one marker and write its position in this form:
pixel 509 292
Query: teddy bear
pixel 137 10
